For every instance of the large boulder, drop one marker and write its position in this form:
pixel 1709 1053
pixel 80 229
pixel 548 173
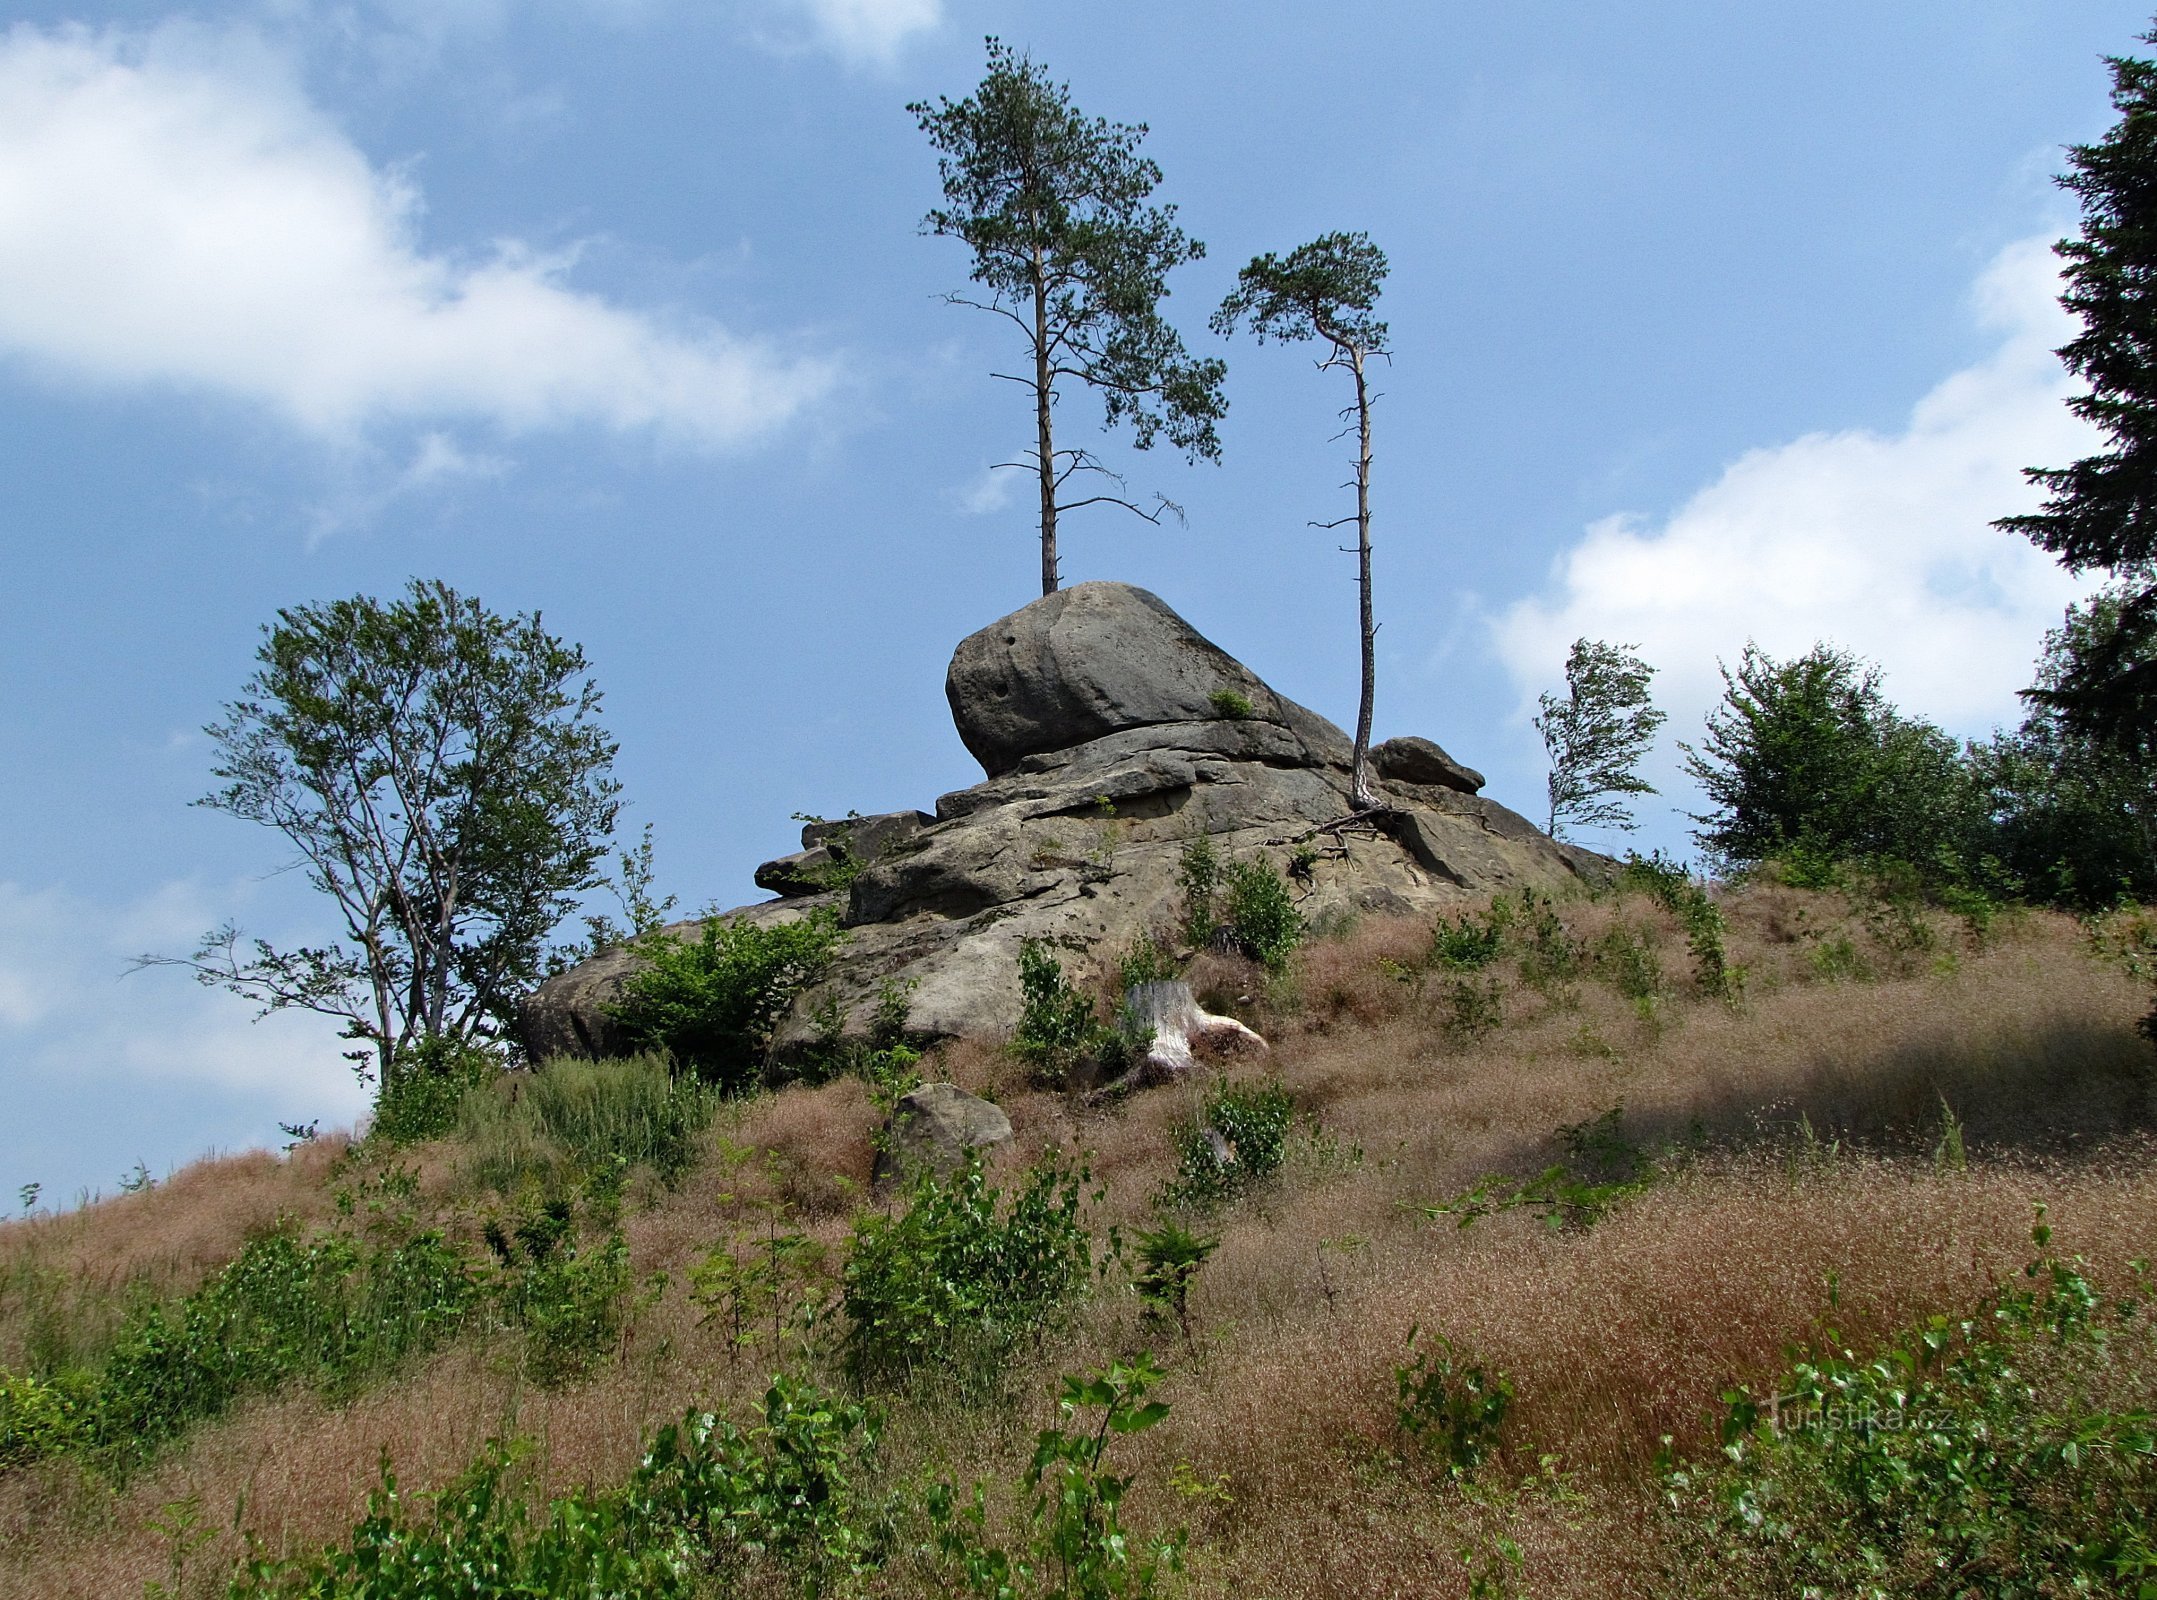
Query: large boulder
pixel 1095 714
pixel 936 1127
pixel 1104 658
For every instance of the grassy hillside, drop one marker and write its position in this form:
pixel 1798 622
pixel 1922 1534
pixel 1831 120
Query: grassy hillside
pixel 1620 1186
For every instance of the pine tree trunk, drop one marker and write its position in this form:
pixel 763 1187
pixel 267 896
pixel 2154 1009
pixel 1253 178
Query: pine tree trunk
pixel 1044 436
pixel 1359 781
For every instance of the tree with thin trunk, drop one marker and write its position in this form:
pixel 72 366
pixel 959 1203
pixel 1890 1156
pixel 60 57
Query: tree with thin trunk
pixel 1327 290
pixel 1055 206
pixel 1596 736
pixel 441 774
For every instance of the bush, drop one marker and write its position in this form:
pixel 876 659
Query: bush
pixel 572 1118
pixel 1198 873
pixel 708 1500
pixel 1261 914
pixel 1679 893
pixel 713 1003
pixel 1237 1140
pixel 1994 1455
pixel 421 1097
pixel 958 1279
pixel 1454 1409
pixel 1060 1033
pixel 326 1311
pixel 566 1299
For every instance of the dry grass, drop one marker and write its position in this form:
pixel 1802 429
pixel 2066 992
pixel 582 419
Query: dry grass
pixel 1613 1336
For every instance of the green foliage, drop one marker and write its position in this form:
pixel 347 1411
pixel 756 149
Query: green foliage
pixel 1454 1409
pixel 1170 1257
pixel 1988 1455
pixel 2075 815
pixel 1471 1007
pixel 1467 943
pixel 1198 874
pixel 960 1278
pixel 2097 512
pixel 1687 899
pixel 1808 757
pixel 1261 914
pixel 760 1286
pixel 1059 1029
pixel 1231 706
pixel 714 1002
pixel 1602 1170
pixel 1055 207
pixel 1145 962
pixel 1597 735
pixel 420 1100
pixel 573 1119
pixel 329 1311
pixel 443 777
pixel 709 1501
pixel 1072 1542
pixel 563 1296
pixel 1237 1140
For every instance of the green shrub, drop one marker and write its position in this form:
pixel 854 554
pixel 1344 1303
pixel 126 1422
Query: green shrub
pixel 1234 707
pixel 40 1417
pixel 1238 1139
pixel 1060 1032
pixel 1198 874
pixel 714 1002
pixel 1070 1540
pixel 709 1501
pixel 565 1298
pixel 1454 1409
pixel 1261 914
pixel 1170 1257
pixel 421 1098
pixel 1686 898
pixel 1145 962
pixel 959 1279
pixel 571 1119
pixel 1467 942
pixel 1628 961
pixel 327 1311
pixel 1998 1454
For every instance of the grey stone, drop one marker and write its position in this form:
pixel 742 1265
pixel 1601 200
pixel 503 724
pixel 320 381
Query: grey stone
pixel 1098 659
pixel 933 1127
pixel 1418 761
pixel 1090 711
pixel 832 848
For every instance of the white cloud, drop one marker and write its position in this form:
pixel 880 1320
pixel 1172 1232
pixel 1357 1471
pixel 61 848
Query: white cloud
pixel 1879 543
pixel 989 492
pixel 871 30
pixel 72 1013
pixel 174 212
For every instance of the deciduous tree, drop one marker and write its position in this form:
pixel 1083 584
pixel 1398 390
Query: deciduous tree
pixel 1596 736
pixel 443 777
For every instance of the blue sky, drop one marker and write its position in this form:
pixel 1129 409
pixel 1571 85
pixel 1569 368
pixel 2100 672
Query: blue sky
pixel 1713 323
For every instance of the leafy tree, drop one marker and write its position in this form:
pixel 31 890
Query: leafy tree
pixel 1597 736
pixel 1327 290
pixel 1807 757
pixel 443 776
pixel 2074 816
pixel 1055 206
pixel 2101 512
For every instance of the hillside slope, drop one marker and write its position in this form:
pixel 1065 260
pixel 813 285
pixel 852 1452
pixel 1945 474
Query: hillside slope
pixel 1616 1177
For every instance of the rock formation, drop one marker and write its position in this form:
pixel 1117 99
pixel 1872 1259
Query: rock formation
pixel 1112 735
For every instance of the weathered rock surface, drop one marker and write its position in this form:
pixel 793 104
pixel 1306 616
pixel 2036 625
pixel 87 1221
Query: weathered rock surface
pixel 934 1126
pixel 1092 711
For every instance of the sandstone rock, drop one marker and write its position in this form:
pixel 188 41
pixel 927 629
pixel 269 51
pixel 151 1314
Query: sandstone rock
pixel 831 849
pixel 1412 760
pixel 1099 659
pixel 934 1127
pixel 1090 710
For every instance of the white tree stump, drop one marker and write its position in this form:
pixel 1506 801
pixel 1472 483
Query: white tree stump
pixel 1178 1025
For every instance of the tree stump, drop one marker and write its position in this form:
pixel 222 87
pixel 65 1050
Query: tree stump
pixel 1178 1025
